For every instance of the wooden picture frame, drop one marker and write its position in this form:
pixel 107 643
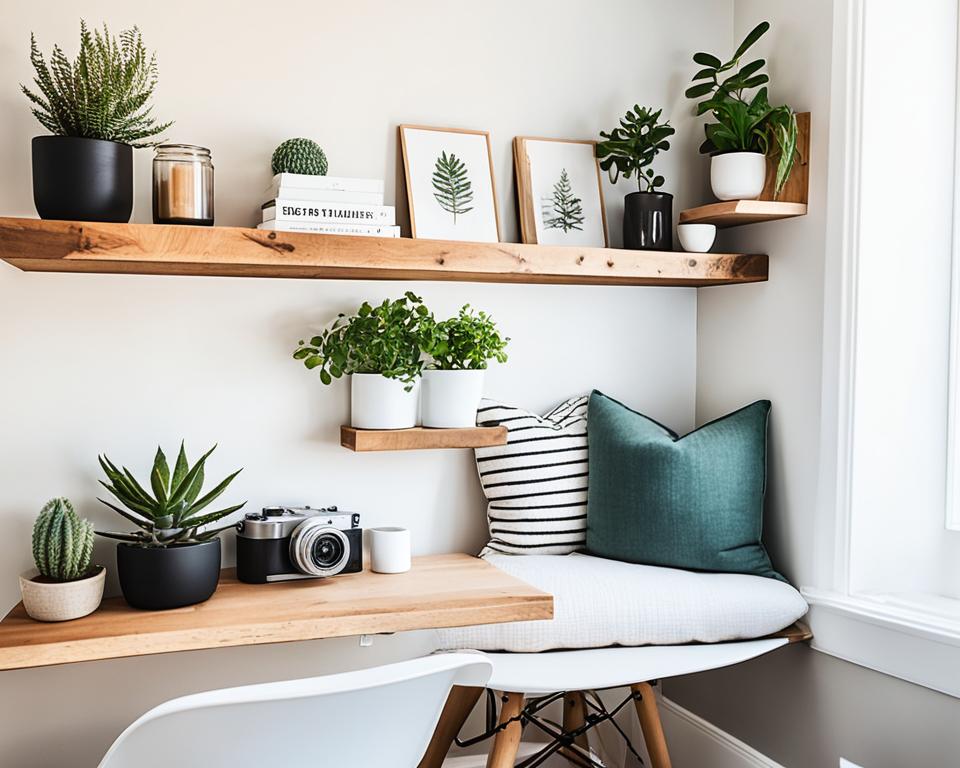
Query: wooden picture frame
pixel 433 225
pixel 527 202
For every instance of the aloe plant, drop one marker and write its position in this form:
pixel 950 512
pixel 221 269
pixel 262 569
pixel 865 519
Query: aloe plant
pixel 172 513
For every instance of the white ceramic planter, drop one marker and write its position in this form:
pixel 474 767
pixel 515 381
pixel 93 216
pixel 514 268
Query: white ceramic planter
pixel 738 175
pixel 451 398
pixel 697 238
pixel 389 550
pixel 61 601
pixel 377 402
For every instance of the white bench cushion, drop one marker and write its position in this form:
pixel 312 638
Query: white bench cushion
pixel 599 603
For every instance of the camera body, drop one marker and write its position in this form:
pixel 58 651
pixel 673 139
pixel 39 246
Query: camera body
pixel 283 543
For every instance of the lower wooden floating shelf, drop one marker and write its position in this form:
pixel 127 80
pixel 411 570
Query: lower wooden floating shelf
pixel 439 591
pixel 420 438
pixel 155 249
pixel 733 213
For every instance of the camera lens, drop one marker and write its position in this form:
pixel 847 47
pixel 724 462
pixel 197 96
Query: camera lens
pixel 319 549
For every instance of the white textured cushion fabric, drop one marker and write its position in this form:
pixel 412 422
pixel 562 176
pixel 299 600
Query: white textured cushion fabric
pixel 536 484
pixel 599 603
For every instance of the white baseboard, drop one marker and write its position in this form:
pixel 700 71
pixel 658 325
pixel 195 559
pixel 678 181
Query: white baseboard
pixel 694 742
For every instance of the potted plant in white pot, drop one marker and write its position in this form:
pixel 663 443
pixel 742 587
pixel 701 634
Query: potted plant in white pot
pixel 98 110
pixel 630 150
pixel 379 348
pixel 459 350
pixel 173 559
pixel 747 128
pixel 64 585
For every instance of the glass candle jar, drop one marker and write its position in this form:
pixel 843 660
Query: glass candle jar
pixel 182 185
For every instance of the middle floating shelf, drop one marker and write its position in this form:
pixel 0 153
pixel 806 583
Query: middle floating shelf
pixel 157 249
pixel 420 438
pixel 733 213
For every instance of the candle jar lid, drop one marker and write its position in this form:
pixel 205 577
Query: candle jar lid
pixel 186 152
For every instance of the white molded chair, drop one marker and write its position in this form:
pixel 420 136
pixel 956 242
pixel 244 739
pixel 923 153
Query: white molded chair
pixel 370 718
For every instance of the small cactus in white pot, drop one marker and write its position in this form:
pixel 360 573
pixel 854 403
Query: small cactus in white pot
pixel 64 585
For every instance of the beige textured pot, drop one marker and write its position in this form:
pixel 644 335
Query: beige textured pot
pixel 61 601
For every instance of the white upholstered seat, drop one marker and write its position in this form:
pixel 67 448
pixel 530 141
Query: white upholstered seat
pixel 600 603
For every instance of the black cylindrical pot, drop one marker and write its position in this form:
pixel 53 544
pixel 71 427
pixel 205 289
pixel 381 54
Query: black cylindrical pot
pixel 168 577
pixel 82 179
pixel 648 221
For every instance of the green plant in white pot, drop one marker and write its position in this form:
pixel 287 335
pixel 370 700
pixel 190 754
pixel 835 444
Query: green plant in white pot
pixel 459 351
pixel 379 348
pixel 65 584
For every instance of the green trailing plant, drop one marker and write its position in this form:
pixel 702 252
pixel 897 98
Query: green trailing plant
pixel 62 542
pixel 382 339
pixel 565 209
pixel 464 342
pixel 744 122
pixel 303 156
pixel 171 514
pixel 104 93
pixel 451 184
pixel 630 149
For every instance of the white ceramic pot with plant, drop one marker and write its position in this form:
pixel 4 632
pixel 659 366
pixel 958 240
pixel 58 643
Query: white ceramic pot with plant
pixel 459 350
pixel 379 347
pixel 747 128
pixel 64 585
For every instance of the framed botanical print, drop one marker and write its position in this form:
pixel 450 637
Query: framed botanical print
pixel 559 192
pixel 450 186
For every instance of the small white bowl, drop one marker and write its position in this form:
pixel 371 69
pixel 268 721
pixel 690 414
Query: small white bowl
pixel 697 238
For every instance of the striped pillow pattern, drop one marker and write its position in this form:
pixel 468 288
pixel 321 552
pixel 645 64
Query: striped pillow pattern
pixel 536 484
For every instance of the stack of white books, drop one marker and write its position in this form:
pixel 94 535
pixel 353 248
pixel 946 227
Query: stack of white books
pixel 328 204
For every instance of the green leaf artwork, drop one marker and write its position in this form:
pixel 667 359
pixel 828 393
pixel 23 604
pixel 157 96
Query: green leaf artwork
pixel 563 210
pixel 451 185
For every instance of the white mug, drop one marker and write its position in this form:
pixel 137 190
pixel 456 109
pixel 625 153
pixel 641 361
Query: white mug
pixel 389 550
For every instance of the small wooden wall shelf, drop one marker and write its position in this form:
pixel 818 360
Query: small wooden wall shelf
pixel 420 438
pixel 791 202
pixel 151 249
pixel 439 591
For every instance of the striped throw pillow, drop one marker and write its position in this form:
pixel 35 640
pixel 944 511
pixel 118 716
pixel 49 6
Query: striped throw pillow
pixel 536 484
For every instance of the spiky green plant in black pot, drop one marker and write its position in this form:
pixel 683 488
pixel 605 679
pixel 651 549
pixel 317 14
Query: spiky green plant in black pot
pixel 303 156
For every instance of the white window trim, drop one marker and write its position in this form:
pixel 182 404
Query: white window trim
pixel 893 637
pixel 952 517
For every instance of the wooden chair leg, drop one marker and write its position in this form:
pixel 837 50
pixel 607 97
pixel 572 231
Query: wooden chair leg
pixel 503 753
pixel 574 717
pixel 651 726
pixel 460 704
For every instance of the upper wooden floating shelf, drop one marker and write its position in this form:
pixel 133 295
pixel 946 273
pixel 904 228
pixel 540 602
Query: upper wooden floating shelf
pixel 736 212
pixel 420 438
pixel 439 591
pixel 151 249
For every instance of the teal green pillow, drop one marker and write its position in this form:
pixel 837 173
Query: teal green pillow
pixel 693 502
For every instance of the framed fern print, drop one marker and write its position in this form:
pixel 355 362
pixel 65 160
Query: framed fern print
pixel 559 192
pixel 450 185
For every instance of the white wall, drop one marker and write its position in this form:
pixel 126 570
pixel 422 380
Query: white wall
pixel 119 363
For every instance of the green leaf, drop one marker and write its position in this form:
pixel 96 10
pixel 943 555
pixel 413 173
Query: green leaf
pixel 211 517
pixel 162 471
pixel 696 91
pixel 709 72
pixel 755 34
pixel 707 60
pixel 180 468
pixel 180 493
pixel 203 502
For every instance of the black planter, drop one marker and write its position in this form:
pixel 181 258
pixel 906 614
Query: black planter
pixel 169 577
pixel 82 179
pixel 648 221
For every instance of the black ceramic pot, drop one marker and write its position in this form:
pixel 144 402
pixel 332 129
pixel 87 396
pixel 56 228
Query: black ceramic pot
pixel 648 221
pixel 82 179
pixel 168 577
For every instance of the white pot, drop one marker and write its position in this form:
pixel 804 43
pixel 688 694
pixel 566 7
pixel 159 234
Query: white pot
pixel 389 550
pixel 738 175
pixel 697 238
pixel 451 398
pixel 61 601
pixel 377 402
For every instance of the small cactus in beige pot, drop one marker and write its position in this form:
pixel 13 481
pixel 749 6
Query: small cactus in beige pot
pixel 64 584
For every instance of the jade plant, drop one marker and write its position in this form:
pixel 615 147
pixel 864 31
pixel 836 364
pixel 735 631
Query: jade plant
pixel 630 149
pixel 383 339
pixel 104 93
pixel 171 514
pixel 62 542
pixel 302 156
pixel 464 342
pixel 745 121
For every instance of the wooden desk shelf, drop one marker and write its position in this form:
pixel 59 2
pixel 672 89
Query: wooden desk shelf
pixel 439 591
pixel 733 213
pixel 151 249
pixel 419 438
